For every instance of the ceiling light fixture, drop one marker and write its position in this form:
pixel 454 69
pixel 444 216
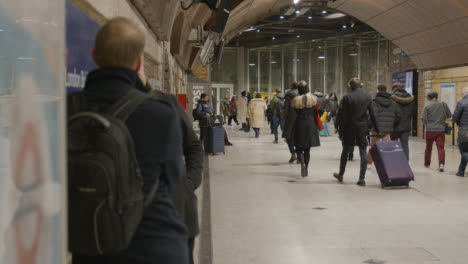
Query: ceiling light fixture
pixel 273 38
pixel 353 54
pixel 345 26
pixel 310 17
pixel 273 62
pixel 252 64
pixel 324 11
pixel 296 1
pixel 298 11
pixel 298 36
pixel 258 30
pixel 281 17
pixel 321 57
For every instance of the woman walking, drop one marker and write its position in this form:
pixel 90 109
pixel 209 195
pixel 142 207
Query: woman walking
pixel 306 134
pixel 233 111
pixel 256 113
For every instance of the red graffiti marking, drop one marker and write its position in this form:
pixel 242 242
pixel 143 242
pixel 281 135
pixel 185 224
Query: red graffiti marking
pixel 29 145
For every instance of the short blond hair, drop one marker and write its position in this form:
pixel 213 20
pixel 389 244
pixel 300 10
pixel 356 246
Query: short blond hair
pixel 119 43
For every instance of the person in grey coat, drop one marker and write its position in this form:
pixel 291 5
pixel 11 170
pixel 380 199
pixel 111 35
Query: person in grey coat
pixel 433 117
pixel 460 117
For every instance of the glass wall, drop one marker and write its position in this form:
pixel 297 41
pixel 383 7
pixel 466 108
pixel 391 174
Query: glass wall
pixel 226 71
pixel 326 64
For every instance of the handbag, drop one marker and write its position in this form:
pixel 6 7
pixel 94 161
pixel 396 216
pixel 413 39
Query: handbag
pixel 462 135
pixel 318 121
pixel 447 127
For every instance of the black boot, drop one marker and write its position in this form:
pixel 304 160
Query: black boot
pixel 243 127
pixel 300 159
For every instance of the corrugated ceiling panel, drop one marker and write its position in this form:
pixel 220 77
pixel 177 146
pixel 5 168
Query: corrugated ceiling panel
pixel 366 9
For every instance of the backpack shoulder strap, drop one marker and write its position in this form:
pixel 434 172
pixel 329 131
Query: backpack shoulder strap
pixel 76 102
pixel 127 104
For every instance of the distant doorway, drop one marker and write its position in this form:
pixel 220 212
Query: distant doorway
pixel 219 90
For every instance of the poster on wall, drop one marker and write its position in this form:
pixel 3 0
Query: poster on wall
pixel 405 79
pixel 32 150
pixel 448 94
pixel 81 32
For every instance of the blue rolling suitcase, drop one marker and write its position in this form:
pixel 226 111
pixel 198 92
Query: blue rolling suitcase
pixel 214 141
pixel 391 164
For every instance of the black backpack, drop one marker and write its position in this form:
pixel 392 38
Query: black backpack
pixel 196 116
pixel 105 195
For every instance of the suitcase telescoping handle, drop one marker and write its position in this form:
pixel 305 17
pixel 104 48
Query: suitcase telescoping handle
pixel 378 136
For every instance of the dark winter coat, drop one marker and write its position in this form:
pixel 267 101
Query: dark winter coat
pixel 290 115
pixel 385 113
pixel 353 118
pixel 323 102
pixel 333 104
pixel 306 134
pixel 154 127
pixel 183 196
pixel 460 116
pixel 406 104
pixel 203 108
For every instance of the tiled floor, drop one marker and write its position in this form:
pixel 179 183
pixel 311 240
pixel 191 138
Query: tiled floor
pixel 264 213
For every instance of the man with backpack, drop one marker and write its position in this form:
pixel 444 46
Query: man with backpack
pixel 277 109
pixel 112 220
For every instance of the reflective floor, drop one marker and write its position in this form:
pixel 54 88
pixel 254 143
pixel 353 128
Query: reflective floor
pixel 263 212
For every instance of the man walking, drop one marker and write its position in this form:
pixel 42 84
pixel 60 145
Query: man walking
pixel 277 108
pixel 352 122
pixel 290 120
pixel 433 117
pixel 385 114
pixel 460 117
pixel 161 236
pixel 406 105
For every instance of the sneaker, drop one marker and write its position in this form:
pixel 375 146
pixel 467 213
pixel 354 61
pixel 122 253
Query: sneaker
pixel 338 176
pixel 427 166
pixel 275 142
pixel 441 167
pixel 459 174
pixel 228 144
pixel 293 158
pixel 361 183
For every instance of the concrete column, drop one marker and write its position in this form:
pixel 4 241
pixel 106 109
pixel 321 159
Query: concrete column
pixel 310 64
pixel 325 67
pixel 378 60
pixel 241 65
pixel 295 63
pixel 359 57
pixel 258 70
pixel 269 71
pixel 282 70
pixel 248 69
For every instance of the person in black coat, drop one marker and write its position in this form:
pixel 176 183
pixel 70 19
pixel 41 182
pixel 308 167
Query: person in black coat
pixel 385 116
pixel 289 120
pixel 161 236
pixel 183 196
pixel 407 104
pixel 306 134
pixel 353 127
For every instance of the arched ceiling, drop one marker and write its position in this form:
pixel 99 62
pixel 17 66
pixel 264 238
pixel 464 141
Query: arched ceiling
pixel 432 32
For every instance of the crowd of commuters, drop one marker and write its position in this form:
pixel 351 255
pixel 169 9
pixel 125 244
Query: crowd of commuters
pixel 169 224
